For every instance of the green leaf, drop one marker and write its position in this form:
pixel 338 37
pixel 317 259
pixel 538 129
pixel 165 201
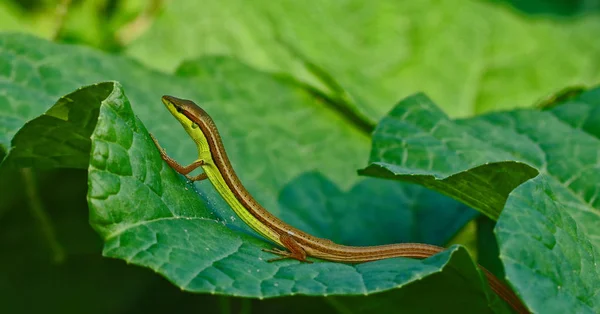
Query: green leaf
pixel 469 56
pixel 377 218
pixel 547 233
pixel 126 173
pixel 148 215
pixel 550 243
pixel 60 137
pixel 565 241
pixel 468 160
pixel 582 112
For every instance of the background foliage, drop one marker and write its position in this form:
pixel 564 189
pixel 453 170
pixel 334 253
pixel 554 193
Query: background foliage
pixel 317 77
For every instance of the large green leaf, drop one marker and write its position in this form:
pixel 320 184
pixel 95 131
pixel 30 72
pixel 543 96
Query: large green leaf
pixel 377 218
pixel 469 160
pixel 273 129
pixel 548 231
pixel 564 241
pixel 582 112
pixel 470 56
pixel 149 215
pixel 176 236
pixel 550 244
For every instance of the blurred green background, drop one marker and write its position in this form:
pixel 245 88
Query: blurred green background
pixel 469 56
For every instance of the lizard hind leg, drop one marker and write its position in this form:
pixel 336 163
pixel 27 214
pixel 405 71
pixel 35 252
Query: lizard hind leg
pixel 295 250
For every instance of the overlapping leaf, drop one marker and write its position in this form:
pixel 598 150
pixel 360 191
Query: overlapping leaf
pixel 467 159
pixel 548 232
pixel 149 216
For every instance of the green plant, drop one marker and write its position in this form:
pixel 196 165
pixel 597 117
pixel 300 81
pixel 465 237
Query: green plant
pixel 297 121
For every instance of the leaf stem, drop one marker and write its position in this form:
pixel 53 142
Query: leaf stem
pixel 245 306
pixel 39 214
pixel 140 24
pixel 61 13
pixel 339 307
pixel 224 304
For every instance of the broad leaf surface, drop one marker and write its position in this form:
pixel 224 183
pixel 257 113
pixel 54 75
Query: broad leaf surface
pixel 470 160
pixel 548 232
pixel 149 216
pixel 375 217
pixel 550 244
pixel 564 203
pixel 470 56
